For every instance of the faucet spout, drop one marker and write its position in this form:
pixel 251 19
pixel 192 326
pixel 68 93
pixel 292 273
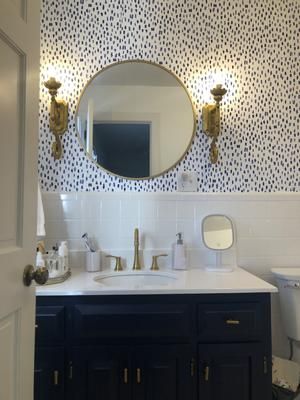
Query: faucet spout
pixel 136 262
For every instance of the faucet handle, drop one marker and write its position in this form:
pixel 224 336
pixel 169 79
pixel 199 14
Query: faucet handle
pixel 118 266
pixel 154 266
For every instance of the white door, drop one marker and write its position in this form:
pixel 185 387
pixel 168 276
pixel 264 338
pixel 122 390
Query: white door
pixel 19 74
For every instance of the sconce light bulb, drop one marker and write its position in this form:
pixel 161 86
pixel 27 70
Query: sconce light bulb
pixel 52 84
pixel 218 92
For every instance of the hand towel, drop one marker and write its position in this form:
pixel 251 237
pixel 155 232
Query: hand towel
pixel 40 229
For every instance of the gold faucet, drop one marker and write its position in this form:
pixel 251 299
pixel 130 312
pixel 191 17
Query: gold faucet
pixel 118 265
pixel 136 261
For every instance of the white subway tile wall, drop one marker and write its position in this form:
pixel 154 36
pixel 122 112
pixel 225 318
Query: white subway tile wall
pixel 267 225
pixel 267 229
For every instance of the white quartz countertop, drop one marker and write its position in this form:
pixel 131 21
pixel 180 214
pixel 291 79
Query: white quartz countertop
pixel 193 281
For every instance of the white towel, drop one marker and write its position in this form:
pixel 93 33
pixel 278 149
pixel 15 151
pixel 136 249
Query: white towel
pixel 40 229
pixel 285 373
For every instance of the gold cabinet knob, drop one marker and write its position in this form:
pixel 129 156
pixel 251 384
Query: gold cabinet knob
pixel 118 266
pixel 154 266
pixel 206 373
pixel 40 275
pixel 125 376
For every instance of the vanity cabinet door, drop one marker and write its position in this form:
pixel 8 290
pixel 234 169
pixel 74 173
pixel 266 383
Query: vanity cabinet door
pixel 163 373
pixel 49 373
pixel 232 371
pixel 133 373
pixel 101 373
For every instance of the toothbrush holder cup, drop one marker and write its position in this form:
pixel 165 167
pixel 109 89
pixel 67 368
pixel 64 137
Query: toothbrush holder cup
pixel 93 261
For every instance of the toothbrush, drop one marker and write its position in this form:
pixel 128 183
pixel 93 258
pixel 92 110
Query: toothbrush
pixel 87 242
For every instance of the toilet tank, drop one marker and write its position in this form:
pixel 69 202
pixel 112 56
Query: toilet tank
pixel 288 282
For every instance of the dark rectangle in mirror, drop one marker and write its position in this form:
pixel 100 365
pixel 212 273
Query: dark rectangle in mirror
pixel 129 143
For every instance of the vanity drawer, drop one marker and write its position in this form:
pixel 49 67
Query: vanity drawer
pixel 50 324
pixel 130 321
pixel 230 321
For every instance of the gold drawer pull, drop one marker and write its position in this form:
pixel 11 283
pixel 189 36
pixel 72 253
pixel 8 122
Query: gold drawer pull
pixel 138 375
pixel 192 367
pixel 125 375
pixel 55 378
pixel 232 322
pixel 206 373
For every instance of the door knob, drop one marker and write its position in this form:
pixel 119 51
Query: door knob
pixel 40 275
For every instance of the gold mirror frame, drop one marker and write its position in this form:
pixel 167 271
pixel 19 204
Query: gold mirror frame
pixel 192 107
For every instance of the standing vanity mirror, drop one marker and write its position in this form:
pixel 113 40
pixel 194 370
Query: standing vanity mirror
pixel 135 119
pixel 217 235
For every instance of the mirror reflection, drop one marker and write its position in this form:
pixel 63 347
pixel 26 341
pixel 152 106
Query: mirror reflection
pixel 135 119
pixel 217 232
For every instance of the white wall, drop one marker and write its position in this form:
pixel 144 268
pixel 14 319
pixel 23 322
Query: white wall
pixel 267 227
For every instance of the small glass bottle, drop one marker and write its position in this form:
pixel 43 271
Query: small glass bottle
pixel 39 263
pixel 63 258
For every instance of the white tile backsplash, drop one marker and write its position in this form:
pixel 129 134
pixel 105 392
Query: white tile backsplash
pixel 91 207
pixel 110 208
pixel 185 210
pixel 166 210
pixel 267 225
pixel 130 209
pixel 148 210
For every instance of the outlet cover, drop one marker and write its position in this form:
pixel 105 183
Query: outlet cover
pixel 187 181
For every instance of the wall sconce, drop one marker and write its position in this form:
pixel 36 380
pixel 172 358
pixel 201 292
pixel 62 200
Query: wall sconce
pixel 211 121
pixel 58 116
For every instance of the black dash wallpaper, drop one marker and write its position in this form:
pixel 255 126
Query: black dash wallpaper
pixel 251 46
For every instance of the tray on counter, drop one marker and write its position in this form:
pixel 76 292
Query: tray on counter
pixel 59 279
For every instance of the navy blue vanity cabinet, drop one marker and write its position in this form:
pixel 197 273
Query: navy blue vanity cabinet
pixel 155 347
pixel 49 371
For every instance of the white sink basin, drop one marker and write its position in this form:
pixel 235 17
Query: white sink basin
pixel 136 279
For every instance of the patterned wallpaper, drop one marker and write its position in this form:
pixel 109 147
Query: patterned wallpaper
pixel 251 46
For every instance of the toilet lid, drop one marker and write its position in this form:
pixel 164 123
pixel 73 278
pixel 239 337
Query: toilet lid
pixel 287 273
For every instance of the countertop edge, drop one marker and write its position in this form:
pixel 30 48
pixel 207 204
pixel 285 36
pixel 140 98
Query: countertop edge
pixel 82 283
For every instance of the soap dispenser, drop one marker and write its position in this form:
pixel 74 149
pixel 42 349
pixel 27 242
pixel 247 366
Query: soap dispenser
pixel 179 255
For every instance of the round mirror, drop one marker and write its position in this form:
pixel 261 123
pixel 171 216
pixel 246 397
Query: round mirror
pixel 217 232
pixel 135 119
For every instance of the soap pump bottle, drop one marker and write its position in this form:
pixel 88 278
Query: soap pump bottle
pixel 179 256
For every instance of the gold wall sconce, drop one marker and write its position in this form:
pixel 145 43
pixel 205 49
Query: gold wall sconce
pixel 211 121
pixel 58 117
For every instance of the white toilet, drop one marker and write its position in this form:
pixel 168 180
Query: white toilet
pixel 288 281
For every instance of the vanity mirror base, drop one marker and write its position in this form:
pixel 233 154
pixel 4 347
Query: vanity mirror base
pixel 156 347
